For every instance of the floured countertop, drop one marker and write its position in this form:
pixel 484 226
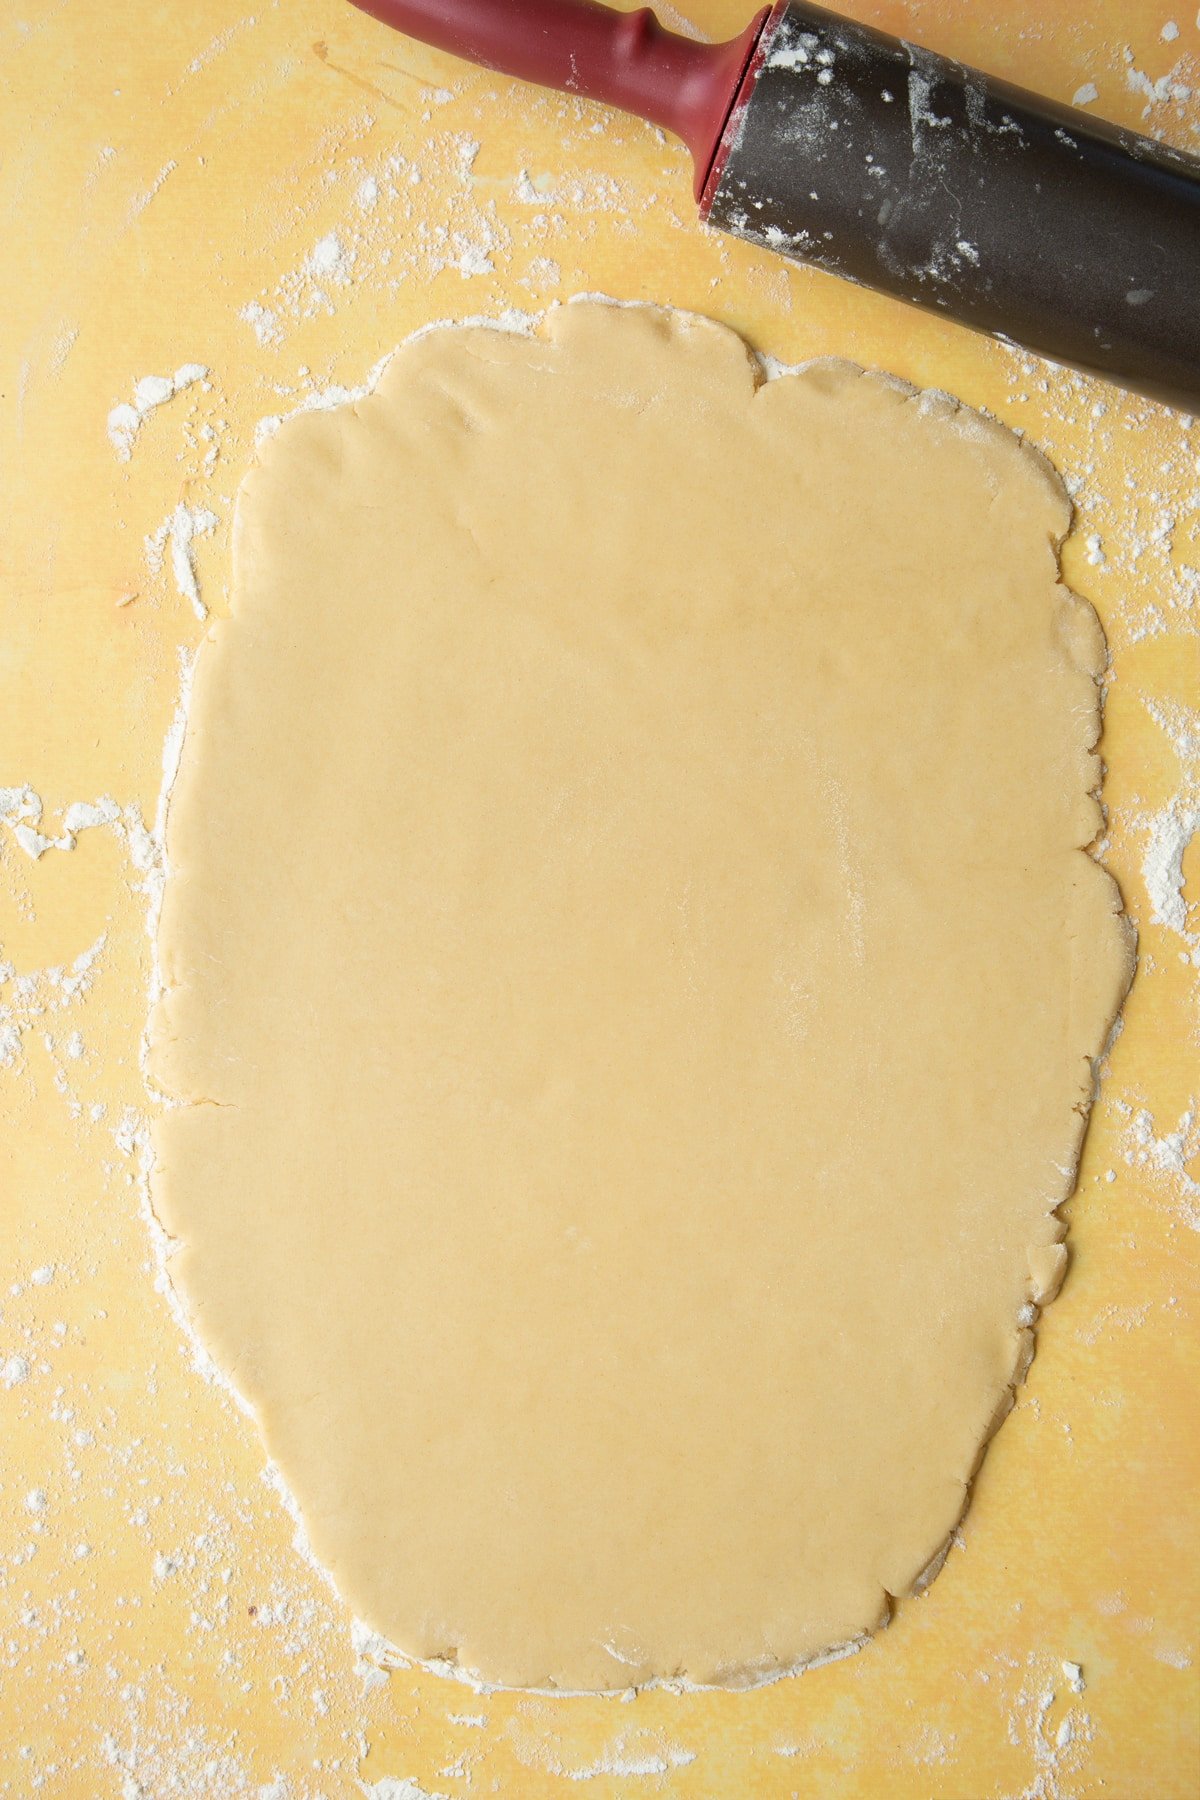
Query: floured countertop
pixel 210 226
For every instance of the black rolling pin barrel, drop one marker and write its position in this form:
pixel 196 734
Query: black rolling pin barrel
pixel 900 169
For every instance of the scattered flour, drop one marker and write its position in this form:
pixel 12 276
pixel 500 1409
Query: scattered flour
pixel 397 1787
pixel 330 260
pixel 1170 830
pixel 266 325
pixel 1167 88
pixel 384 235
pixel 373 1660
pixel 178 533
pixel 27 1002
pixel 21 811
pixel 126 419
pixel 142 201
pixel 218 46
pixel 186 526
pixel 474 260
pixel 86 815
pixel 1054 1731
pixel 18 803
pixel 36 843
pixel 24 805
pixel 1168 838
pixel 1168 1158
pixel 635 1751
pixel 1113 1317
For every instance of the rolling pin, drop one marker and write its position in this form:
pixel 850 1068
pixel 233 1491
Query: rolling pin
pixel 873 159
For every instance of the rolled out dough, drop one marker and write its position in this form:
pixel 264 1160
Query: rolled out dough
pixel 631 969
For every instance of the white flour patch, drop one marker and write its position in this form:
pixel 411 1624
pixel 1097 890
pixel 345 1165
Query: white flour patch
pixel 474 260
pixel 217 47
pixel 330 260
pixel 36 843
pixel 142 201
pixel 178 533
pixel 1170 831
pixel 1165 89
pixel 18 804
pixel 1114 1318
pixel 65 340
pixel 636 1751
pixel 1050 1726
pixel 266 324
pixel 1169 836
pixel 32 999
pixel 21 810
pixel 670 15
pixel 398 1787
pixel 1167 1157
pixel 383 235
pixel 371 1660
pixel 152 391
pixel 88 815
pixel 188 1763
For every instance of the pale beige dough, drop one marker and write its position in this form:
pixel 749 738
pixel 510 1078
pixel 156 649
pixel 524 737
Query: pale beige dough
pixel 631 974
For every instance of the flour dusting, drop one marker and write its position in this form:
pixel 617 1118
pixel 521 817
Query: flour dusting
pixel 398 1787
pixel 1167 1157
pixel 152 391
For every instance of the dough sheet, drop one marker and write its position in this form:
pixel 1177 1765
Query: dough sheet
pixel 632 977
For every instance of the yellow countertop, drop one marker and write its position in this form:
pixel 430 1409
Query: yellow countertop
pixel 281 196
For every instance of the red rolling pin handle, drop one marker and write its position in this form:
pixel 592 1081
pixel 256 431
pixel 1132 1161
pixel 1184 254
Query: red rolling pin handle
pixel 623 59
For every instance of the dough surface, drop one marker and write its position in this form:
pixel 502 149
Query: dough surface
pixel 631 970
